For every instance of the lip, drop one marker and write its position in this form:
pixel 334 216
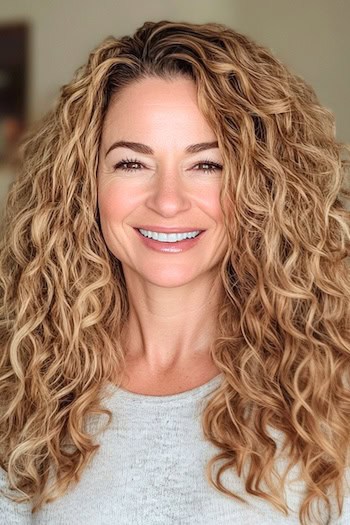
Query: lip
pixel 164 229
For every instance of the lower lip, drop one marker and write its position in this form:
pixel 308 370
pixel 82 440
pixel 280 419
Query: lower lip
pixel 170 247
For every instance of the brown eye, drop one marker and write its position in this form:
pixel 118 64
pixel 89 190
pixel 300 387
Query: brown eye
pixel 130 163
pixel 209 166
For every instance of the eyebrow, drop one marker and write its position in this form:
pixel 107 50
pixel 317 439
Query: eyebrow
pixel 142 148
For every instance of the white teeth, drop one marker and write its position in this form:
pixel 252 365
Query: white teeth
pixel 169 237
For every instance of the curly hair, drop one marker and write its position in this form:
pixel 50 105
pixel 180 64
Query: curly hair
pixel 283 340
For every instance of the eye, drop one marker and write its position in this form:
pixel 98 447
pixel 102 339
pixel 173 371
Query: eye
pixel 209 166
pixel 122 163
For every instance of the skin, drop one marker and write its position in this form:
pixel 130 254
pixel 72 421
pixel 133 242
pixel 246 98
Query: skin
pixel 173 297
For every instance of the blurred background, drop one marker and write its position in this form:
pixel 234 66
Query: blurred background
pixel 43 42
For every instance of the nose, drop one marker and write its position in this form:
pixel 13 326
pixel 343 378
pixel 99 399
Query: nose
pixel 169 195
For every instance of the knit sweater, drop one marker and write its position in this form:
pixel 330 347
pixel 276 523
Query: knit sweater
pixel 149 470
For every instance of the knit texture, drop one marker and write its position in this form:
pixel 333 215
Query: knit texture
pixel 150 470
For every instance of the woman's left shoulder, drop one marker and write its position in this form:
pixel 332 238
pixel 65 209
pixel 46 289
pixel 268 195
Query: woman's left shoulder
pixel 344 518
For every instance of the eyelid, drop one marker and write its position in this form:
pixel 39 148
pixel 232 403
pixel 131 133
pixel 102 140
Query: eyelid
pixel 127 161
pixel 208 161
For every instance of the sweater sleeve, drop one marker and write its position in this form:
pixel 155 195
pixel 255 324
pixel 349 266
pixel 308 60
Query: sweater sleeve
pixel 12 513
pixel 344 519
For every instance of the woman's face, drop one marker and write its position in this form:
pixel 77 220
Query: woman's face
pixel 159 183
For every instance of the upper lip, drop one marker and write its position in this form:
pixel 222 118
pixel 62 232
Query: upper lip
pixel 173 229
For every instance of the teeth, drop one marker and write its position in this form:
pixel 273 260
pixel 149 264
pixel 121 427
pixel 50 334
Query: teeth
pixel 169 237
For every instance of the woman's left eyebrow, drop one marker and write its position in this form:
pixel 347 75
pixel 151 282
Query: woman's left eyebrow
pixel 147 150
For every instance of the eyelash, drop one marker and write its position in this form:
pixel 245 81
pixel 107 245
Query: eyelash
pixel 135 161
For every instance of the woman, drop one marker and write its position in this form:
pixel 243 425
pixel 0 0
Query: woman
pixel 231 344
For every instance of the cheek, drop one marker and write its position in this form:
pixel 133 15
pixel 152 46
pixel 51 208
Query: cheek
pixel 211 202
pixel 115 203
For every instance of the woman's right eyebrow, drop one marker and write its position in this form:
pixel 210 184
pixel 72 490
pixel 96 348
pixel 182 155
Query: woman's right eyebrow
pixel 147 150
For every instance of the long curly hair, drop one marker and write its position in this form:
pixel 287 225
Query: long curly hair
pixel 283 342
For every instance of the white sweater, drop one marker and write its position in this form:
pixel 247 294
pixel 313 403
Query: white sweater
pixel 149 470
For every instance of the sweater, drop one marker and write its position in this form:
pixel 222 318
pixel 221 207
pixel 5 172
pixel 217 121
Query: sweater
pixel 149 470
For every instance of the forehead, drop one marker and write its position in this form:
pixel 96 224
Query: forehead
pixel 156 104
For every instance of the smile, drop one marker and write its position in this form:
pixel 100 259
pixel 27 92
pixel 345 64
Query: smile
pixel 167 243
pixel 168 237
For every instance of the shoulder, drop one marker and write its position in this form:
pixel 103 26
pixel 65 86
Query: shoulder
pixel 344 518
pixel 12 513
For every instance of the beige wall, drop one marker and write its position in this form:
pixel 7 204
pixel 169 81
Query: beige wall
pixel 311 36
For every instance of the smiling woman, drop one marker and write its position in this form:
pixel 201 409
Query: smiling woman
pixel 174 255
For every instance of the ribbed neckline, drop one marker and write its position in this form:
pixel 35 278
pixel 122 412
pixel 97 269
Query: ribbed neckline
pixel 192 394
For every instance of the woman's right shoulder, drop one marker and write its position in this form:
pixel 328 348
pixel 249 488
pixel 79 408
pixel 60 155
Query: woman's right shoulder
pixel 12 513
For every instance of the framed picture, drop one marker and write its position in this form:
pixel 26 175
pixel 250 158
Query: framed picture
pixel 13 85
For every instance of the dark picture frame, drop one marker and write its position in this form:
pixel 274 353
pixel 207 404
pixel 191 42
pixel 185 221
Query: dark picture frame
pixel 13 85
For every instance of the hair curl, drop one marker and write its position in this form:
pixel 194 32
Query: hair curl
pixel 284 337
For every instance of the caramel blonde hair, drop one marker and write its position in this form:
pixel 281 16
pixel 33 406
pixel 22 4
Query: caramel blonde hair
pixel 283 342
